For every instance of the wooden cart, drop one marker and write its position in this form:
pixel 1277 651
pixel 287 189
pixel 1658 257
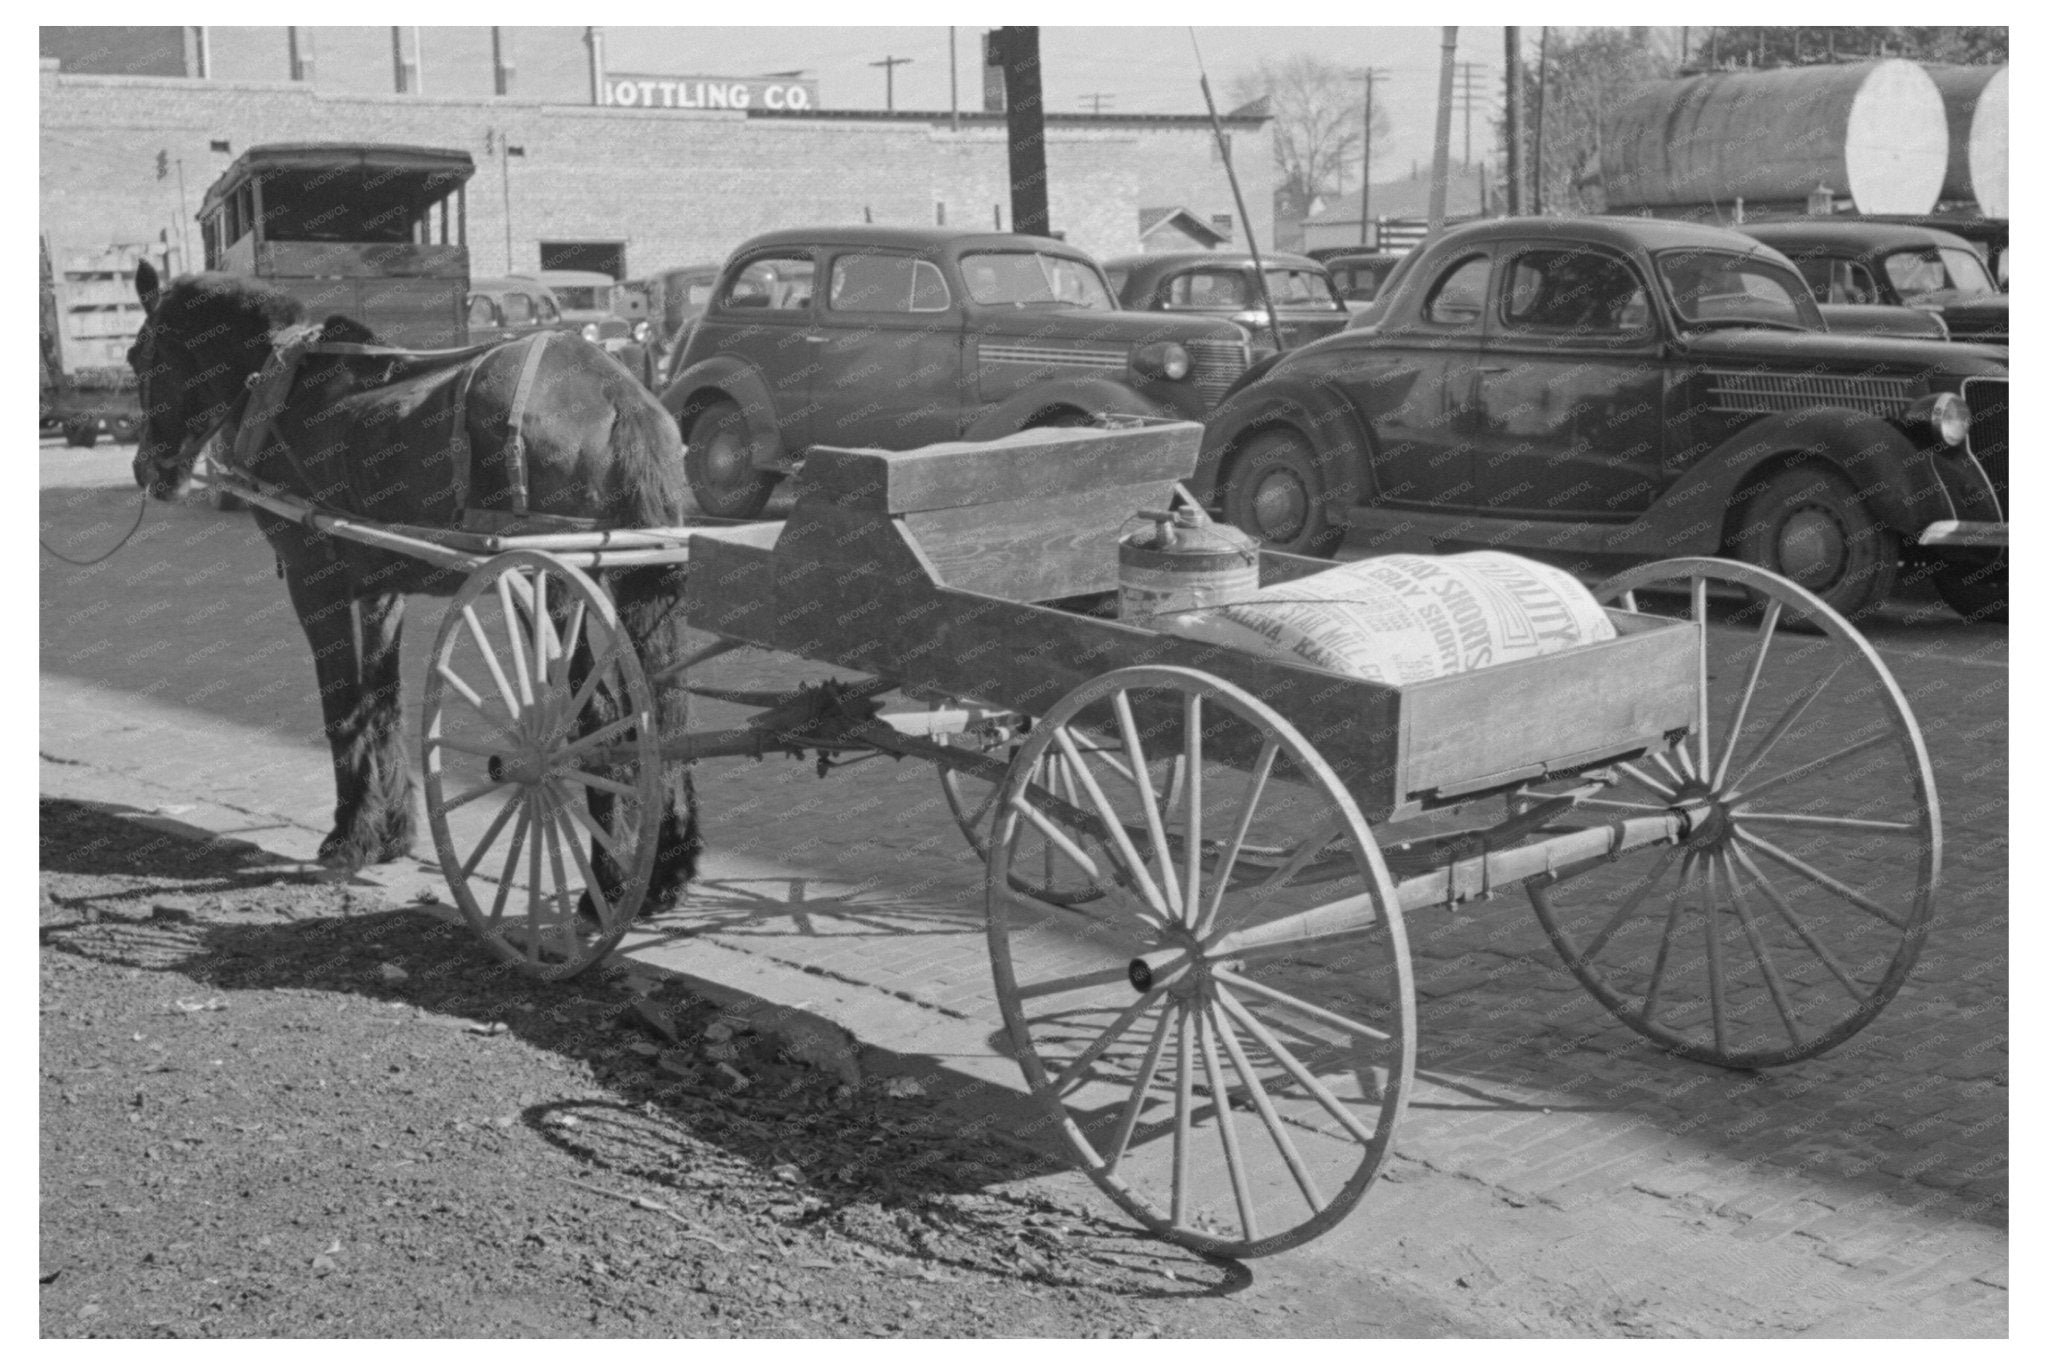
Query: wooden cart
pixel 1201 865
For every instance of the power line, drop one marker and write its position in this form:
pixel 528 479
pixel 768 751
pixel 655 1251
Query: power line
pixel 1468 89
pixel 889 65
pixel 1371 75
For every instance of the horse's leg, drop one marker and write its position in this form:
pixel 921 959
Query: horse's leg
pixel 650 604
pixel 387 772
pixel 319 593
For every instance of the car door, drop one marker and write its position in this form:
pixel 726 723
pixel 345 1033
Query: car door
pixel 1423 441
pixel 1570 409
pixel 764 317
pixel 888 351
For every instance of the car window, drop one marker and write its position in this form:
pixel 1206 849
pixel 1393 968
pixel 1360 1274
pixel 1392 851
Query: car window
pixel 1021 278
pixel 518 309
pixel 1459 297
pixel 482 313
pixel 1299 289
pixel 778 283
pixel 545 306
pixel 1577 292
pixel 1208 289
pixel 584 297
pixel 887 284
pixel 1933 269
pixel 1713 287
pixel 1834 279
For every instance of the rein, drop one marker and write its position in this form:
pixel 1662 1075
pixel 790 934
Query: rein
pixel 141 507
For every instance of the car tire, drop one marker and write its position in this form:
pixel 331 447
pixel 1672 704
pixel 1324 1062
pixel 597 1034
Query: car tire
pixel 1062 417
pixel 82 432
pixel 1974 585
pixel 718 462
pixel 124 429
pixel 1275 493
pixel 1806 523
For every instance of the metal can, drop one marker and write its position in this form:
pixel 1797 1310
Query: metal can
pixel 1182 560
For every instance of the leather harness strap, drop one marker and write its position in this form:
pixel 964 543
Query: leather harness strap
pixel 515 439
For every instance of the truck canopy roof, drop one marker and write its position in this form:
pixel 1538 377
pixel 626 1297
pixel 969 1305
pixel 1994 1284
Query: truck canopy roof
pixel 341 191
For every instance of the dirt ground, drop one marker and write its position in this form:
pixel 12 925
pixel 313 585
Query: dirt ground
pixel 272 1110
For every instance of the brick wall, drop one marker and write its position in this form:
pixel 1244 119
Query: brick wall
pixel 677 187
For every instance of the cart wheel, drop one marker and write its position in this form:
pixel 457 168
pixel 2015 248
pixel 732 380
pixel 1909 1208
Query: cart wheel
pixel 1797 904
pixel 1225 1043
pixel 973 802
pixel 538 727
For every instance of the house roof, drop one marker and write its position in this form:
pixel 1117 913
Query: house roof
pixel 1187 220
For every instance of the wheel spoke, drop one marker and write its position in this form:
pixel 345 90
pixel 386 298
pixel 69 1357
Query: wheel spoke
pixel 1305 853
pixel 570 837
pixel 574 806
pixel 1699 616
pixel 570 639
pixel 1764 634
pixel 1598 804
pixel 1133 1107
pixel 1227 861
pixel 1148 802
pixel 1818 877
pixel 1758 950
pixel 1809 768
pixel 463 746
pixel 1304 1179
pixel 1715 1004
pixel 599 663
pixel 1190 790
pixel 490 658
pixel 1331 1017
pixel 543 628
pixel 1644 779
pixel 1073 1072
pixel 1801 700
pixel 511 868
pixel 475 700
pixel 1183 1114
pixel 1133 864
pixel 598 736
pixel 1629 906
pixel 1826 821
pixel 472 794
pixel 1079 981
pixel 534 899
pixel 513 643
pixel 590 779
pixel 1791 917
pixel 1289 1063
pixel 1685 879
pixel 565 914
pixel 490 835
pixel 1226 1128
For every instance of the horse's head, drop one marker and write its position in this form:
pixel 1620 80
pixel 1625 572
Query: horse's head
pixel 202 339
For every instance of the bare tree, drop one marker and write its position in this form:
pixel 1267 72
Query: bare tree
pixel 1318 110
pixel 1589 72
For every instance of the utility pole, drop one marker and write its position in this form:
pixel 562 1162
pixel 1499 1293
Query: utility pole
pixel 953 66
pixel 1513 54
pixel 1016 48
pixel 1098 102
pixel 889 65
pixel 1440 168
pixel 1468 89
pixel 1542 86
pixel 1371 75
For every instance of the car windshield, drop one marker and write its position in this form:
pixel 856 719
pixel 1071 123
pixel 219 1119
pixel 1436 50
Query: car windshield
pixel 584 297
pixel 1300 289
pixel 1934 269
pixel 1719 288
pixel 1027 277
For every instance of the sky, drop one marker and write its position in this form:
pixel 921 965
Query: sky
pixel 1139 70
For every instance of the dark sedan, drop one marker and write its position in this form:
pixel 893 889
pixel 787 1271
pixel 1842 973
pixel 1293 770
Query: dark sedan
pixel 1855 261
pixel 1225 284
pixel 1600 390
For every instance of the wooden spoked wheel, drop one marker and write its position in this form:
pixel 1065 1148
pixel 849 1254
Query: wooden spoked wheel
pixel 972 799
pixel 542 764
pixel 1225 1041
pixel 1795 906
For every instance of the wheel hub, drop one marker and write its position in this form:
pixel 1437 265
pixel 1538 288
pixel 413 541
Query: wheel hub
pixel 1811 548
pixel 1280 504
pixel 1711 819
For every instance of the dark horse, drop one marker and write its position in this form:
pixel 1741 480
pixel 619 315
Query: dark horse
pixel 370 435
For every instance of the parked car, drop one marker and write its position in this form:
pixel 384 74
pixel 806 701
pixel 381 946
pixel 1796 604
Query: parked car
pixel 1603 390
pixel 1854 261
pixel 1225 284
pixel 585 298
pixel 507 309
pixel 1991 238
pixel 1358 275
pixel 895 338
pixel 675 300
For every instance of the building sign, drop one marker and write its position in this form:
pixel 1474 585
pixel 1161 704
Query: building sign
pixel 708 92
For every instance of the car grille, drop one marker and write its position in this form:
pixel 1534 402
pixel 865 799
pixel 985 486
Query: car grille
pixel 1747 391
pixel 1987 441
pixel 1216 366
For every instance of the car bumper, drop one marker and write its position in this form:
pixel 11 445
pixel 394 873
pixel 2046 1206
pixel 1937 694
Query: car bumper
pixel 1992 535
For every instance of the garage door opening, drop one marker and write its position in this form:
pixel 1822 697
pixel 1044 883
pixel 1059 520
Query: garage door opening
pixel 605 257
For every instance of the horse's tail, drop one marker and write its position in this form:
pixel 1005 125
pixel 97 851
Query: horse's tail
pixel 645 486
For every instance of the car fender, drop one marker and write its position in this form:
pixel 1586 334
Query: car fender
pixel 1897 481
pixel 1318 410
pixel 728 377
pixel 1091 394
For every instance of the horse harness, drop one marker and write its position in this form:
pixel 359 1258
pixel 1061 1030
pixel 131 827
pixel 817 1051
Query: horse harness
pixel 270 387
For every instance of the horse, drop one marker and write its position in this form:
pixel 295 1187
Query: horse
pixel 554 427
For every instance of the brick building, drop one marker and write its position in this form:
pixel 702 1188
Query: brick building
pixel 136 123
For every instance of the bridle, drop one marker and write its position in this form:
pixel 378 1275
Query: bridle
pixel 186 453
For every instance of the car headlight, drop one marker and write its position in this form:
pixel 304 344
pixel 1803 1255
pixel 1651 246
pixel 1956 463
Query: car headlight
pixel 641 331
pixel 590 331
pixel 1162 360
pixel 1946 414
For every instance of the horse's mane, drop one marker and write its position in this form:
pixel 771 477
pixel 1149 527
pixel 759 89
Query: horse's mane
pixel 228 305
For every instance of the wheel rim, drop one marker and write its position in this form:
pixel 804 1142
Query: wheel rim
pixel 973 801
pixel 1813 548
pixel 541 763
pixel 1798 901
pixel 1228 952
pixel 1279 504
